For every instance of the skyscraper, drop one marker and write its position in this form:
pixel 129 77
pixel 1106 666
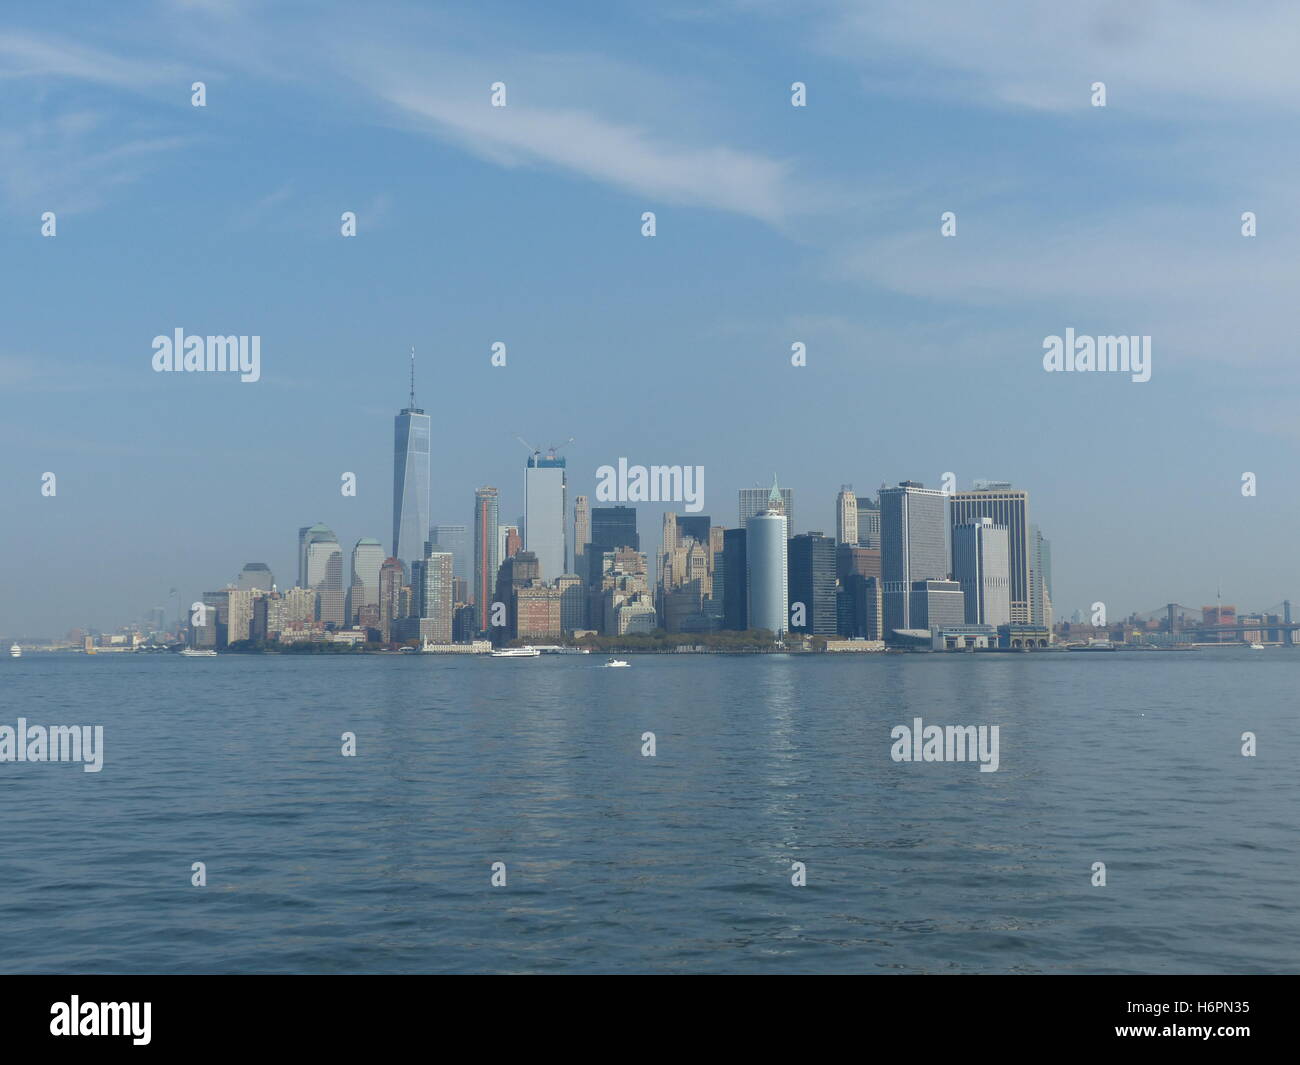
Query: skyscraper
pixel 1040 578
pixel 755 500
pixel 325 577
pixel 545 507
pixel 860 607
pixel 812 583
pixel 1010 507
pixel 913 547
pixel 696 526
pixel 255 575
pixel 684 582
pixel 517 572
pixel 846 516
pixel 411 431
pixel 861 560
pixel 455 540
pixel 509 542
pixel 614 527
pixel 981 565
pixel 239 612
pixel 735 581
pixel 581 534
pixel 573 602
pixel 363 587
pixel 390 597
pixel 538 612
pixel 668 539
pixel 486 553
pixel 868 522
pixel 718 596
pixel 766 562
pixel 619 598
pixel 259 628
pixel 299 606
pixel 307 536
pixel 435 596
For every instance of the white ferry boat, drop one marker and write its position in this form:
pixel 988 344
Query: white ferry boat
pixel 15 651
pixel 194 652
pixel 516 652
pixel 1257 647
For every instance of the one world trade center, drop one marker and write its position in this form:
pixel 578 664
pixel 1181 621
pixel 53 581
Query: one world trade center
pixel 410 481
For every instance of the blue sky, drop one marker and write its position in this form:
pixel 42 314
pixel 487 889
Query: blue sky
pixel 775 224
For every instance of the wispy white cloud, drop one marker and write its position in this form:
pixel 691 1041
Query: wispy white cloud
pixel 254 215
pixel 71 162
pixel 31 55
pixel 603 149
pixel 587 115
pixel 64 145
pixel 602 118
pixel 1184 275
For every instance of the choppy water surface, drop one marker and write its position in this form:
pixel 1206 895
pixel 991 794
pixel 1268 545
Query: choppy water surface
pixel 677 863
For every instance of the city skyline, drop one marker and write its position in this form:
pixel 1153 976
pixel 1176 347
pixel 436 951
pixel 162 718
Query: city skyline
pixel 323 557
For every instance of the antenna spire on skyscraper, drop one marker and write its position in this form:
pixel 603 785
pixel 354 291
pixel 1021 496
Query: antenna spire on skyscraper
pixel 775 500
pixel 412 377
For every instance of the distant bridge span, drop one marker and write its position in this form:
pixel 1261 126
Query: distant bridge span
pixel 1177 621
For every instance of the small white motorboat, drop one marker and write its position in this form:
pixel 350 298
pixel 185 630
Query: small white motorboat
pixel 616 663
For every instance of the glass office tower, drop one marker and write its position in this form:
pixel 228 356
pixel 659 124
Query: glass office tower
pixel 913 546
pixel 411 431
pixel 545 505
pixel 1008 506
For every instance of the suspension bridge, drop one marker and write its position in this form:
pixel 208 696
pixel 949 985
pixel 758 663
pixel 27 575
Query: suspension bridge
pixel 1186 623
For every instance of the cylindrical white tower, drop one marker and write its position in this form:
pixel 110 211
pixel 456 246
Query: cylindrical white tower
pixel 765 559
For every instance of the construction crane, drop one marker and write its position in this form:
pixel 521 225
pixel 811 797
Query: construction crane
pixel 550 451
